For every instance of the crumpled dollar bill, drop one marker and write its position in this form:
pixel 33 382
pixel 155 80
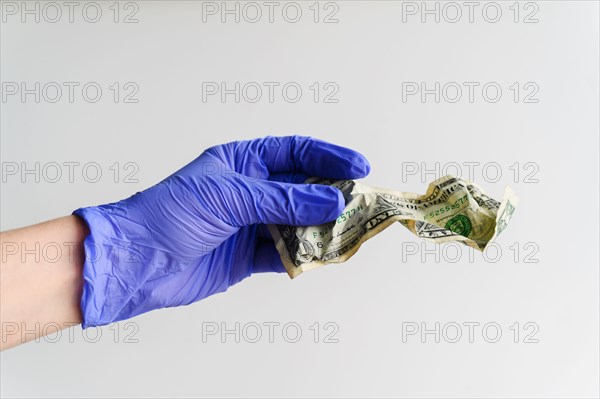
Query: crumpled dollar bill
pixel 452 209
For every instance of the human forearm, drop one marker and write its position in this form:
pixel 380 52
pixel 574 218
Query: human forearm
pixel 41 279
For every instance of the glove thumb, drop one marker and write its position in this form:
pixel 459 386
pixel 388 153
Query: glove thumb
pixel 270 202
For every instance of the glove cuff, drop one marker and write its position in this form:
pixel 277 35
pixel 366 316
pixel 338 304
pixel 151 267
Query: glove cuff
pixel 106 289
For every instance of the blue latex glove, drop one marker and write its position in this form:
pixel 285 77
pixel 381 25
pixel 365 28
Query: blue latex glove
pixel 202 229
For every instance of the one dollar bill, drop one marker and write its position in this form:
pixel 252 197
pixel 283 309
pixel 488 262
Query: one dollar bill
pixel 452 209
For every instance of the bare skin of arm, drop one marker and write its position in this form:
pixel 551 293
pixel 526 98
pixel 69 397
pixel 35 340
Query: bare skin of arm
pixel 41 279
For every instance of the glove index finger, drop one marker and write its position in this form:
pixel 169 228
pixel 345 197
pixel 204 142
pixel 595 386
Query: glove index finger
pixel 311 156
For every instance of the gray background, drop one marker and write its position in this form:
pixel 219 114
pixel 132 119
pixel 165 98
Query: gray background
pixel 368 53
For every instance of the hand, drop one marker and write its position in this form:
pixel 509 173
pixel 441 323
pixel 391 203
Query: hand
pixel 202 229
